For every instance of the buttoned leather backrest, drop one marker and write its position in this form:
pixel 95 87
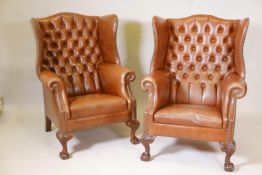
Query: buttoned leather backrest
pixel 69 47
pixel 200 53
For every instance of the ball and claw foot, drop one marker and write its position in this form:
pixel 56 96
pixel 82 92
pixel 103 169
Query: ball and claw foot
pixel 64 155
pixel 146 139
pixel 63 139
pixel 135 140
pixel 145 156
pixel 229 149
pixel 229 166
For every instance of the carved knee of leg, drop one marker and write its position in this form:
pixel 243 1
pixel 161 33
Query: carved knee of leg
pixel 229 149
pixel 146 140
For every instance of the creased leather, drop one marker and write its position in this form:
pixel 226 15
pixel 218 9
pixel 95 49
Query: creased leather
pixel 189 115
pixel 96 104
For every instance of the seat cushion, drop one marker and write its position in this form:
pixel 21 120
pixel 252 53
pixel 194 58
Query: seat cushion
pixel 189 115
pixel 96 104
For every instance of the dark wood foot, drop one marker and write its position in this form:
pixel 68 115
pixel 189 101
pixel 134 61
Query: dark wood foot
pixel 133 124
pixel 146 140
pixel 63 139
pixel 48 124
pixel 229 149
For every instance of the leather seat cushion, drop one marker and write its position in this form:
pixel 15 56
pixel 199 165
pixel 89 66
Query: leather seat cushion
pixel 189 115
pixel 96 104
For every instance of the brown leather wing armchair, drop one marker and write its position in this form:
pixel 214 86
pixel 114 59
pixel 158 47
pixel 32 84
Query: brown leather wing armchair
pixel 197 73
pixel 84 84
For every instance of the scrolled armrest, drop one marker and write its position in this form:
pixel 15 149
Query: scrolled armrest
pixel 115 79
pixel 158 87
pixel 55 85
pixel 234 82
pixel 233 87
pixel 50 80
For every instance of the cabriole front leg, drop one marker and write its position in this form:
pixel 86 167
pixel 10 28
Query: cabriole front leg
pixel 133 124
pixel 63 139
pixel 146 139
pixel 229 149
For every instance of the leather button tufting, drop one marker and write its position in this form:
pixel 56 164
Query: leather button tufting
pixel 180 66
pixel 213 40
pixel 186 57
pixel 192 67
pixel 194 29
pixel 187 38
pixel 207 28
pixel 47 35
pixel 224 58
pixel 204 67
pixel 218 49
pixel 181 29
pixel 193 48
pixel 217 68
pixel 220 29
pixel 212 58
pixel 181 47
pixel 199 58
pixel 210 77
pixel 206 49
pixel 197 76
pixel 200 39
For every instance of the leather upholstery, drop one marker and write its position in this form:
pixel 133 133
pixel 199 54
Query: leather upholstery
pixel 84 84
pixel 189 115
pixel 96 104
pixel 200 53
pixel 197 73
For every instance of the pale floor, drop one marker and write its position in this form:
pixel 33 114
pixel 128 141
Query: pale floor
pixel 25 149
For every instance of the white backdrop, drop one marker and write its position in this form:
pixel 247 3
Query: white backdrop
pixel 21 88
pixel 26 148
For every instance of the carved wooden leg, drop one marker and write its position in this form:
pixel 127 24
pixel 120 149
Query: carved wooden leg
pixel 146 140
pixel 48 124
pixel 229 149
pixel 133 124
pixel 63 138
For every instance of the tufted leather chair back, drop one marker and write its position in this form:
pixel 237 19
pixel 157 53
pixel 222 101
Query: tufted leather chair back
pixel 200 53
pixel 69 47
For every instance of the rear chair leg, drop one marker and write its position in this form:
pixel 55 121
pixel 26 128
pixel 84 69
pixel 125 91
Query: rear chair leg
pixel 133 124
pixel 146 140
pixel 48 124
pixel 229 149
pixel 64 138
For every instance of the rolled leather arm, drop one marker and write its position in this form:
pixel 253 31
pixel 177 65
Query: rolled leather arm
pixel 50 80
pixel 115 79
pixel 233 86
pixel 55 86
pixel 157 84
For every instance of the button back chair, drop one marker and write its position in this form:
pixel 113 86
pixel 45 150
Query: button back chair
pixel 84 84
pixel 197 74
